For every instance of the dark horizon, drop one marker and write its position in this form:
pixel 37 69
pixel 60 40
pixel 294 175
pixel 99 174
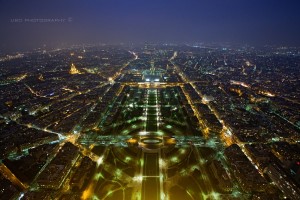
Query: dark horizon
pixel 32 24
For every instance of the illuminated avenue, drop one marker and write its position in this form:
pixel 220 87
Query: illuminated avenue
pixel 150 122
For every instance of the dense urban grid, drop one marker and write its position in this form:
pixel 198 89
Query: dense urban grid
pixel 150 122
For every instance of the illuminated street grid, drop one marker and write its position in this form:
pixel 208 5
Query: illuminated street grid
pixel 139 128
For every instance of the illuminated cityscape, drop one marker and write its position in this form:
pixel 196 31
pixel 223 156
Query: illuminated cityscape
pixel 151 122
pixel 150 100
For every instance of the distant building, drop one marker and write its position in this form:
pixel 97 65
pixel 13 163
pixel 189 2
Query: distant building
pixel 74 70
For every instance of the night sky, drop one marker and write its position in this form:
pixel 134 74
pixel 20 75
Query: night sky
pixel 166 21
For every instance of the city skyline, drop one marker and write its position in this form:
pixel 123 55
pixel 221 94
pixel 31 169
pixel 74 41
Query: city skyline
pixel 149 100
